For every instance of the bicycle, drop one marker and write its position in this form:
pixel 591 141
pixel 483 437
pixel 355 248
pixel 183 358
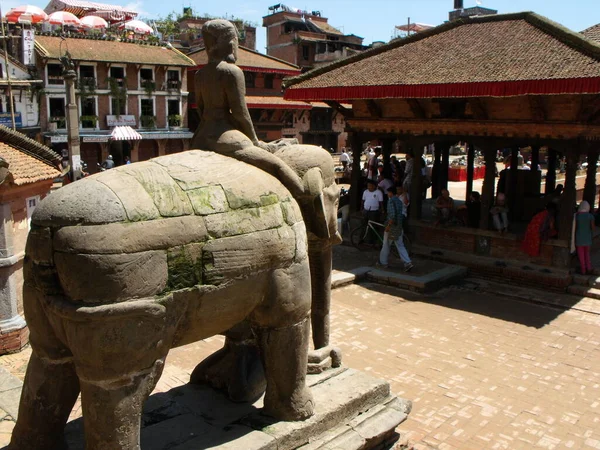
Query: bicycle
pixel 358 236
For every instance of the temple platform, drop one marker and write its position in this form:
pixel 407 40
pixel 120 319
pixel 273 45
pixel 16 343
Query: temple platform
pixel 353 411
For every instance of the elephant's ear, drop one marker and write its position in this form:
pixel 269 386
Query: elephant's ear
pixel 313 187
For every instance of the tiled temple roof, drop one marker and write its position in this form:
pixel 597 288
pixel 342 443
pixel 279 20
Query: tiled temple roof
pixel 110 51
pixel 29 161
pixel 502 55
pixel 252 61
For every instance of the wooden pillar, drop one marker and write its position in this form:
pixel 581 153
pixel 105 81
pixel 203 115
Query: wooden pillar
pixel 386 151
pixel 535 157
pixel 470 169
pixel 589 192
pixel 512 184
pixel 489 182
pixel 445 165
pixel 355 181
pixel 551 173
pixel 415 186
pixel 568 198
pixel 436 172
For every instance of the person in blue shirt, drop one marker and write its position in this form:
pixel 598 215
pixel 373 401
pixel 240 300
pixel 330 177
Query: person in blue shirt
pixel 394 231
pixel 583 233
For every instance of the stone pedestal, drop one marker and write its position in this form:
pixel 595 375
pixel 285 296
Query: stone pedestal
pixel 353 411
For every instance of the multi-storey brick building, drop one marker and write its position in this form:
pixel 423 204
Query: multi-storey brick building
pixel 306 39
pixel 128 83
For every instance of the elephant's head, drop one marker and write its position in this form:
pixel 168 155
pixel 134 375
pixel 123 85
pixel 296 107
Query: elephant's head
pixel 320 208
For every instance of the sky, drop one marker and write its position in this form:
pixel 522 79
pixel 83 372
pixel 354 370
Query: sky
pixel 372 19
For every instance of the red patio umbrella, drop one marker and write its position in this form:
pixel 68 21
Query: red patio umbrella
pixel 63 18
pixel 26 13
pixel 94 22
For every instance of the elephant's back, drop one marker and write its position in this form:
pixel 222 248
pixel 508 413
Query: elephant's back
pixel 172 222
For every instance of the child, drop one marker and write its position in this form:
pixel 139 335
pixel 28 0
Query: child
pixel 581 238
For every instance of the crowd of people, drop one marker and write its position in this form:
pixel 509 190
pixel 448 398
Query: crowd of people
pixel 387 196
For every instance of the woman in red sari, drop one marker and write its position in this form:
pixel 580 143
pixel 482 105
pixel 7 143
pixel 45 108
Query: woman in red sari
pixel 540 229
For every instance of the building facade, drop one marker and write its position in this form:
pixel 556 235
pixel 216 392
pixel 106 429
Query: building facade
pixel 306 39
pixel 27 169
pixel 25 90
pixel 135 84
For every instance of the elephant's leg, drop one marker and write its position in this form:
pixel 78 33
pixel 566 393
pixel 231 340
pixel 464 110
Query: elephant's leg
pixel 49 393
pixel 282 329
pixel 112 410
pixel 285 352
pixel 320 272
pixel 235 368
pixel 51 385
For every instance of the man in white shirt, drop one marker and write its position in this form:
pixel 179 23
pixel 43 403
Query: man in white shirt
pixel 372 205
pixel 344 158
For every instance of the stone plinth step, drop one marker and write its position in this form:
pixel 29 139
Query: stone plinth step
pixel 339 278
pixel 419 283
pixel 353 411
pixel 587 280
pixel 584 291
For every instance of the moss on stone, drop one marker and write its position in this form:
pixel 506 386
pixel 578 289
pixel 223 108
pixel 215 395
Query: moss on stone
pixel 184 266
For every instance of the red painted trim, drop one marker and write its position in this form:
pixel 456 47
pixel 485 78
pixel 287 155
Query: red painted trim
pixel 276 106
pixel 257 69
pixel 487 89
pixel 267 106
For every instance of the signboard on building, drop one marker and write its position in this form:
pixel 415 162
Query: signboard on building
pixel 113 121
pixel 95 138
pixel 168 135
pixel 28 44
pixel 6 120
pixel 59 138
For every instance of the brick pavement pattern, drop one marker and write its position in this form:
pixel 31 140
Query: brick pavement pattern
pixel 483 371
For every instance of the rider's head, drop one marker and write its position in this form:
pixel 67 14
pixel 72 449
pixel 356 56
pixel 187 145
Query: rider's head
pixel 221 40
pixel 109 156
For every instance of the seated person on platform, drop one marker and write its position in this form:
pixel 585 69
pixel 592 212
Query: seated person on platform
pixel 226 126
pixel 443 209
pixel 470 213
pixel 499 213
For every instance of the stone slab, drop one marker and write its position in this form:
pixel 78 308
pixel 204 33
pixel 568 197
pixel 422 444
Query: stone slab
pixel 192 417
pixel 420 283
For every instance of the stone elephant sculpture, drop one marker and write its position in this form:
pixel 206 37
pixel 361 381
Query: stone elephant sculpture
pixel 124 265
pixel 236 368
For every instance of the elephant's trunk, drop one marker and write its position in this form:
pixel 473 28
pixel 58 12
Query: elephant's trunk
pixel 320 273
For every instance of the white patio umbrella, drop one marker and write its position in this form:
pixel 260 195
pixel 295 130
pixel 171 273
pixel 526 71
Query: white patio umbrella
pixel 63 18
pixel 94 22
pixel 137 26
pixel 26 13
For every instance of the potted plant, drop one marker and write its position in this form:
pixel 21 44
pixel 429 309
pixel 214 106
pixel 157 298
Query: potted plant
pixel 174 121
pixel 89 121
pixel 148 121
pixel 149 86
pixel 61 122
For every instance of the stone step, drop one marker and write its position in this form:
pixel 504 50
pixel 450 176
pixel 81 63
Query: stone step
pixel 586 280
pixel 584 291
pixel 427 282
pixel 350 407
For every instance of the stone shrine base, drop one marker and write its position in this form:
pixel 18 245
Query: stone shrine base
pixel 353 411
